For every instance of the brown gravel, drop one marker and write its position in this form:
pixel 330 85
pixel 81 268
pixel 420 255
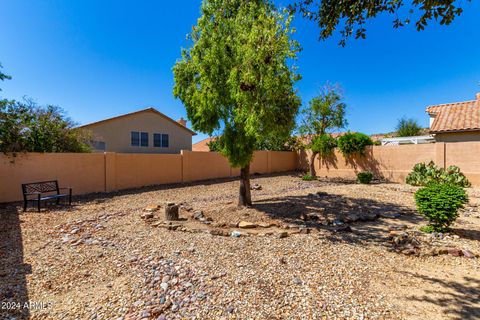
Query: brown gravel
pixel 101 260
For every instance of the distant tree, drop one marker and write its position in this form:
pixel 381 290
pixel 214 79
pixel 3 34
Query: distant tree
pixel 236 78
pixel 408 127
pixel 324 114
pixel 26 127
pixel 3 76
pixel 351 16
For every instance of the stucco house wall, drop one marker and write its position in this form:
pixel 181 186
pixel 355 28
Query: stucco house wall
pixel 458 136
pixel 116 133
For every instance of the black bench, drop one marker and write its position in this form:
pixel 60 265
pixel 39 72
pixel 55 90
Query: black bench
pixel 44 191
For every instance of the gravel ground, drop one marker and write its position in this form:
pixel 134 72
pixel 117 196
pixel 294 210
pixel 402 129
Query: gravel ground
pixel 101 259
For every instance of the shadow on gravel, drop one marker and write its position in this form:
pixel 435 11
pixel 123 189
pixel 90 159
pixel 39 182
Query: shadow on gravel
pixel 104 196
pixel 293 209
pixel 458 300
pixel 13 271
pixel 467 234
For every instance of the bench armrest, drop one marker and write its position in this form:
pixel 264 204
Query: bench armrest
pixel 37 195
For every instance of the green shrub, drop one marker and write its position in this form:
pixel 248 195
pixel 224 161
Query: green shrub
pixel 439 203
pixel 323 144
pixel 354 143
pixel 427 229
pixel 423 174
pixel 365 177
pixel 308 177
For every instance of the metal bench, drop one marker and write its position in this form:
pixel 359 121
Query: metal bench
pixel 44 191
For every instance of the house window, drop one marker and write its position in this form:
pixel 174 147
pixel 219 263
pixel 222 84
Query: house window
pixel 157 140
pixel 164 140
pixel 139 139
pixel 135 139
pixel 99 145
pixel 144 139
pixel 160 140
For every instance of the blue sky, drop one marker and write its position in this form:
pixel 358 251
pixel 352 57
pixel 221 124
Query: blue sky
pixel 98 59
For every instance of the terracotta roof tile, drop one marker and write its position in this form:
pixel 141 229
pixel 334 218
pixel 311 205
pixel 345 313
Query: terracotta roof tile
pixel 451 117
pixel 202 145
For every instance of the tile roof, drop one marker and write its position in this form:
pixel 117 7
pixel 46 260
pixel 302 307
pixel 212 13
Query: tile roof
pixel 202 145
pixel 454 117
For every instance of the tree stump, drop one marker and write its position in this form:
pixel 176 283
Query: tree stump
pixel 171 211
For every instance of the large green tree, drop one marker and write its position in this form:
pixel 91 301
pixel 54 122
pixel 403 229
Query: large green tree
pixel 350 16
pixel 324 113
pixel 236 78
pixel 27 127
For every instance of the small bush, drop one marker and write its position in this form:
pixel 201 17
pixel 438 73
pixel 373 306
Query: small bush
pixel 439 203
pixel 423 174
pixel 427 229
pixel 354 143
pixel 365 177
pixel 308 177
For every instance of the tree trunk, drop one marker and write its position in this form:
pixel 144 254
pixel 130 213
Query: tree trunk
pixel 171 212
pixel 245 197
pixel 312 164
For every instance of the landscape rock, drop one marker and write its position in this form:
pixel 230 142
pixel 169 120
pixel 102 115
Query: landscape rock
pixel 283 234
pixel 468 254
pixel 256 186
pixel 246 225
pixel 152 208
pixel 455 252
pixel 147 215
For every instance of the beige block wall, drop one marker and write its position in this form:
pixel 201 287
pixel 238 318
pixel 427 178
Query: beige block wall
pixel 280 161
pixel 138 170
pixel 465 155
pixel 204 165
pixel 395 162
pixel 117 133
pixel 260 163
pixel 85 173
pixel 389 162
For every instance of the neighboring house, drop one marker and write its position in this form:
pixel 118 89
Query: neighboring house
pixel 455 122
pixel 202 145
pixel 143 131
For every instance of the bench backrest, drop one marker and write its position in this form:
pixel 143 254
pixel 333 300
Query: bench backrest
pixel 42 187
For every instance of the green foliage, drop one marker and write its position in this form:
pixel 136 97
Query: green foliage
pixel 214 145
pixel 423 174
pixel 325 113
pixel 408 128
pixel 309 177
pixel 427 229
pixel 281 144
pixel 26 127
pixel 237 77
pixel 354 143
pixel 323 145
pixel 3 76
pixel 439 203
pixel 365 177
pixel 350 17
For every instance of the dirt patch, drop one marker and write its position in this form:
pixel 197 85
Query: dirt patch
pixel 101 259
